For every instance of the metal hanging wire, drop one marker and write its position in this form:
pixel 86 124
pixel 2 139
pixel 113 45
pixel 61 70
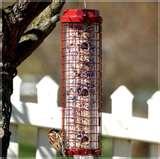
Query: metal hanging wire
pixel 85 4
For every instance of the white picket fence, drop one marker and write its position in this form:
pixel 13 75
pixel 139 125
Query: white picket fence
pixel 120 125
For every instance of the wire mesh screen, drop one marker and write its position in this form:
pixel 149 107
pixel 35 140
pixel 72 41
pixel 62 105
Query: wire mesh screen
pixel 81 62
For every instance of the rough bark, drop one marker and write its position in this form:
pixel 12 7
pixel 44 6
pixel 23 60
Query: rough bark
pixel 25 25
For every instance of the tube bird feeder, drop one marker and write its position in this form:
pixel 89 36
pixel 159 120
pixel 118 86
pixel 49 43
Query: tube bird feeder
pixel 81 83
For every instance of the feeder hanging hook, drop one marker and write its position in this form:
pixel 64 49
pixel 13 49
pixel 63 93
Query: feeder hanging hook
pixel 85 4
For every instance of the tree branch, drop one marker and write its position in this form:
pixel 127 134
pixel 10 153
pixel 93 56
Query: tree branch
pixel 40 28
pixel 16 18
pixel 24 11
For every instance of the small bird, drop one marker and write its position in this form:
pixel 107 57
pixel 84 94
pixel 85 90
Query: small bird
pixel 56 140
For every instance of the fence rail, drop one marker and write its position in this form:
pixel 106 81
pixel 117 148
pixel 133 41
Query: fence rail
pixel 119 125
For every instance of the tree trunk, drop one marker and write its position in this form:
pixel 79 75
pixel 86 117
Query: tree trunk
pixel 23 18
pixel 7 74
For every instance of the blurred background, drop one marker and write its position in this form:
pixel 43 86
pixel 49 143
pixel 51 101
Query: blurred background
pixel 130 58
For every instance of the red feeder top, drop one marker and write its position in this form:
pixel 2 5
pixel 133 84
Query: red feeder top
pixel 81 16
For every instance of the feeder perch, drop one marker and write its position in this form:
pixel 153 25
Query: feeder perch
pixel 81 92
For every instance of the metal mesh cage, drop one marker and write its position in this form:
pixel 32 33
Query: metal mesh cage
pixel 81 81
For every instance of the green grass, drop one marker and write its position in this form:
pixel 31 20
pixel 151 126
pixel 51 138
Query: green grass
pixel 106 147
pixel 27 151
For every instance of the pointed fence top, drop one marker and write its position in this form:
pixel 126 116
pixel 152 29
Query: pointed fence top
pixel 16 89
pixel 155 99
pixel 122 92
pixel 122 102
pixel 17 80
pixel 154 107
pixel 47 83
pixel 47 91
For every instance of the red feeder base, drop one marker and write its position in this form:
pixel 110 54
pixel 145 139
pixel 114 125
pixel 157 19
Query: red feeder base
pixel 82 152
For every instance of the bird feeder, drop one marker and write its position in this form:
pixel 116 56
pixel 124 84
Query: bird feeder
pixel 81 92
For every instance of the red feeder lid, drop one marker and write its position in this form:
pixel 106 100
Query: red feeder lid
pixel 81 16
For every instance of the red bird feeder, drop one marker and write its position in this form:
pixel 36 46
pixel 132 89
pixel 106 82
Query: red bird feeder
pixel 81 93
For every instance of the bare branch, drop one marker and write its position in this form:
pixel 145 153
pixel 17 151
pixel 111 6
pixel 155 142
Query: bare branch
pixel 16 18
pixel 24 11
pixel 40 28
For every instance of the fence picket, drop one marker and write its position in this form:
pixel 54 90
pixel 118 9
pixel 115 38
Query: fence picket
pixel 122 111
pixel 13 151
pixel 154 151
pixel 154 117
pixel 121 148
pixel 44 149
pixel 47 91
